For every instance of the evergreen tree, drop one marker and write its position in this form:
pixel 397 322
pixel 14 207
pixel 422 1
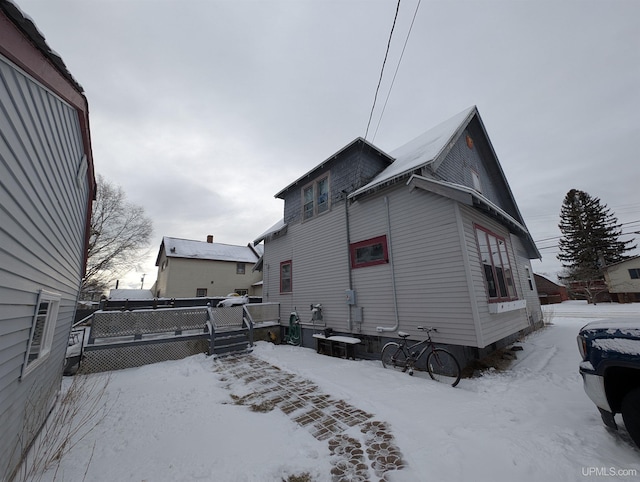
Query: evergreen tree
pixel 590 237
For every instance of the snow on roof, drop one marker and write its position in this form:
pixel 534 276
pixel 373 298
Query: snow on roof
pixel 187 248
pixel 122 294
pixel 305 177
pixel 273 229
pixel 422 150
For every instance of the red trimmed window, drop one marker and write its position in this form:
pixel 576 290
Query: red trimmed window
pixel 369 252
pixel 286 279
pixel 496 265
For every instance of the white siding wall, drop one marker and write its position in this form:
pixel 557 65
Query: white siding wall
pixel 493 327
pixel 431 282
pixel 318 250
pixel 42 222
pixel 534 312
pixel 619 280
pixel 184 276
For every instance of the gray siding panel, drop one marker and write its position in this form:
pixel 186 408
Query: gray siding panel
pixel 494 327
pixel 427 260
pixel 320 274
pixel 43 209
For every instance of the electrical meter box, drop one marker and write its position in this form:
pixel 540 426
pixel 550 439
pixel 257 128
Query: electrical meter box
pixel 351 297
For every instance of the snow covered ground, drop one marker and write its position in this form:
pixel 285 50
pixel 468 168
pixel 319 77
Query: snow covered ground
pixel 176 421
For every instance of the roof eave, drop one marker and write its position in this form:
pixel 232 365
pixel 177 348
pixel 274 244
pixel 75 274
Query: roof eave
pixel 474 199
pixel 308 175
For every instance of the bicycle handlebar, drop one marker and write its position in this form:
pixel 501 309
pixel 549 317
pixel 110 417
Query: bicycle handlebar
pixel 427 329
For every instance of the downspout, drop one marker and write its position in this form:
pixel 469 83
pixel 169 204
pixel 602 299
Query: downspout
pixel 346 217
pixel 380 329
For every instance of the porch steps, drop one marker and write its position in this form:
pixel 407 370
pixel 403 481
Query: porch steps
pixel 228 342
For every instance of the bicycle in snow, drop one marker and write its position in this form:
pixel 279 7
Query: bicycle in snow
pixel 441 364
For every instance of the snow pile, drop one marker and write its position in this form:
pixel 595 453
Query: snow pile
pixel 177 421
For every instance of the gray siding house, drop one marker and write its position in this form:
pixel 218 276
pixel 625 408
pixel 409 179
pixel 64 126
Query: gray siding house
pixel 46 191
pixel 429 234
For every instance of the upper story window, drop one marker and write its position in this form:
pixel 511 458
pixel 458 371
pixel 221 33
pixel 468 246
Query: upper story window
pixel 240 268
pixel 315 197
pixel 475 178
pixel 496 265
pixel 634 273
pixel 369 252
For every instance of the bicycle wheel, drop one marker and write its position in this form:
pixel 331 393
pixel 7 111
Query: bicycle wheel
pixel 393 356
pixel 443 367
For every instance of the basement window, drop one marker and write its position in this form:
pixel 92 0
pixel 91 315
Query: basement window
pixel 42 329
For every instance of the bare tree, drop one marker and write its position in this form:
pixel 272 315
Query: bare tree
pixel 120 233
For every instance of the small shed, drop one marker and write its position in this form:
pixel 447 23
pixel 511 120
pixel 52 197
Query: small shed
pixel 550 292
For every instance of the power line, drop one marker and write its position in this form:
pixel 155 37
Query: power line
pixel 384 107
pixel 621 234
pixel 375 98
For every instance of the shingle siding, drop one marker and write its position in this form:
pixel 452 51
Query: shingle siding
pixel 461 160
pixel 43 209
pixel 352 169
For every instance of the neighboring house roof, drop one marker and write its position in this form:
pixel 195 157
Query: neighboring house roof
pixel 537 276
pixel 311 174
pixel 187 248
pixel 633 258
pixel 122 294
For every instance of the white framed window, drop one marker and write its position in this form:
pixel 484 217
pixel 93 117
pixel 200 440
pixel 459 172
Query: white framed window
pixel 240 268
pixel 315 197
pixel 529 278
pixel 496 266
pixel 475 178
pixel 42 329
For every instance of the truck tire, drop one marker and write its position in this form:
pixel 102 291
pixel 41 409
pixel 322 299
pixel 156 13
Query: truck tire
pixel 631 414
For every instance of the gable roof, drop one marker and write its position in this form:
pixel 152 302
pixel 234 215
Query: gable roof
pixel 623 261
pixel 187 248
pixel 312 173
pixel 424 149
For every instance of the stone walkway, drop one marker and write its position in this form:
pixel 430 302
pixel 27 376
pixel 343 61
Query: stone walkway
pixel 362 449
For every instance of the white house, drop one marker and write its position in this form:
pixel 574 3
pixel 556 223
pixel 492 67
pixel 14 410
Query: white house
pixel 428 234
pixel 623 280
pixel 189 268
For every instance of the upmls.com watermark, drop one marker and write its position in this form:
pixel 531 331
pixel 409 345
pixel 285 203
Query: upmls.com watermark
pixel 608 472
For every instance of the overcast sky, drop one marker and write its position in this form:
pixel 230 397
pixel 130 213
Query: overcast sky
pixel 202 110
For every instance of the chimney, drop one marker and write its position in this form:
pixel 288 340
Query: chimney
pixel 210 238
